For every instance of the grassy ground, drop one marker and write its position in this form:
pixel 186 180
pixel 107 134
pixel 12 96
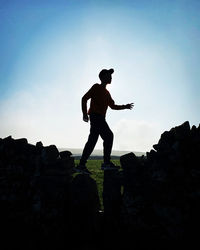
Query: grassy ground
pixel 97 174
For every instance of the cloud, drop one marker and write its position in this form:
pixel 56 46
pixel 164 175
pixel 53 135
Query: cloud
pixel 135 135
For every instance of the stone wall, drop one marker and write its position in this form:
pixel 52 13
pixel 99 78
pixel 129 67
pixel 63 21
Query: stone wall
pixel 154 201
pixel 161 192
pixel 41 204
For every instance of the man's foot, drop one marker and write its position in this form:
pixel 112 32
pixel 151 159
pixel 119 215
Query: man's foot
pixel 109 166
pixel 82 169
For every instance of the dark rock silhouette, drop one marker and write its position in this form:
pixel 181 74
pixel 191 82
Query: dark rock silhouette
pixel 153 201
pixel 161 199
pixel 84 207
pixel 160 202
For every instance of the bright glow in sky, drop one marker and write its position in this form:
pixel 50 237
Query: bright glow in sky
pixel 52 52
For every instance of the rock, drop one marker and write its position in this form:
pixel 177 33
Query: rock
pixel 39 144
pixel 49 154
pixel 59 167
pixel 88 199
pixel 21 141
pixel 150 155
pixel 112 193
pixel 84 206
pixel 182 130
pixel 166 140
pixel 7 139
pixel 129 161
pixel 65 154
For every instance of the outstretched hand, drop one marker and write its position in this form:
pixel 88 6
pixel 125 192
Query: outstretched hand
pixel 85 118
pixel 129 106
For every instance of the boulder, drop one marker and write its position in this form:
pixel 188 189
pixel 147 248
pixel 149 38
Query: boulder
pixel 65 154
pixel 49 154
pixel 129 162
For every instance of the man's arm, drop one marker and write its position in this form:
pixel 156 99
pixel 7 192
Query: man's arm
pixel 84 107
pixel 84 100
pixel 120 107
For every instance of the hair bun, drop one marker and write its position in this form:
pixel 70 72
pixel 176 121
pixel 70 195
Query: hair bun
pixel 111 71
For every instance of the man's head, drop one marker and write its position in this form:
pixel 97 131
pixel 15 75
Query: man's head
pixel 106 75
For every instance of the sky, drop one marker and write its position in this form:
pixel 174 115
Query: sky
pixel 51 53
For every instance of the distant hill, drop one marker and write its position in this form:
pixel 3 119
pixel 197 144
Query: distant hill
pixel 98 153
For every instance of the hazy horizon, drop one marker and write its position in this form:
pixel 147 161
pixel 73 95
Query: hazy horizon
pixel 99 152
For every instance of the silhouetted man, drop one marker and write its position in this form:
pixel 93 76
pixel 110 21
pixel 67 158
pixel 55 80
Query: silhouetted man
pixel 100 100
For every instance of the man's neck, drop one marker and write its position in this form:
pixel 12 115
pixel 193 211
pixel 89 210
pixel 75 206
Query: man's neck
pixel 103 84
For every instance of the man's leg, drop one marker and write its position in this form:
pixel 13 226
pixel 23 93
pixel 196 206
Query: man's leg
pixel 90 144
pixel 107 136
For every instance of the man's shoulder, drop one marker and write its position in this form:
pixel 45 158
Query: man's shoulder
pixel 96 85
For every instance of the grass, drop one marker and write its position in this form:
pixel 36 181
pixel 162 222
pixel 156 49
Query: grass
pixel 94 166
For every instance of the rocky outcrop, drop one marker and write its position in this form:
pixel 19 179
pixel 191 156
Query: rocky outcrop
pixel 161 198
pixel 41 204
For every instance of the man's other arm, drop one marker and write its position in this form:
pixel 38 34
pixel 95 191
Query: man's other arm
pixel 84 100
pixel 121 107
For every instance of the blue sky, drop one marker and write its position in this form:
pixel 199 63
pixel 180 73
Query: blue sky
pixel 52 52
